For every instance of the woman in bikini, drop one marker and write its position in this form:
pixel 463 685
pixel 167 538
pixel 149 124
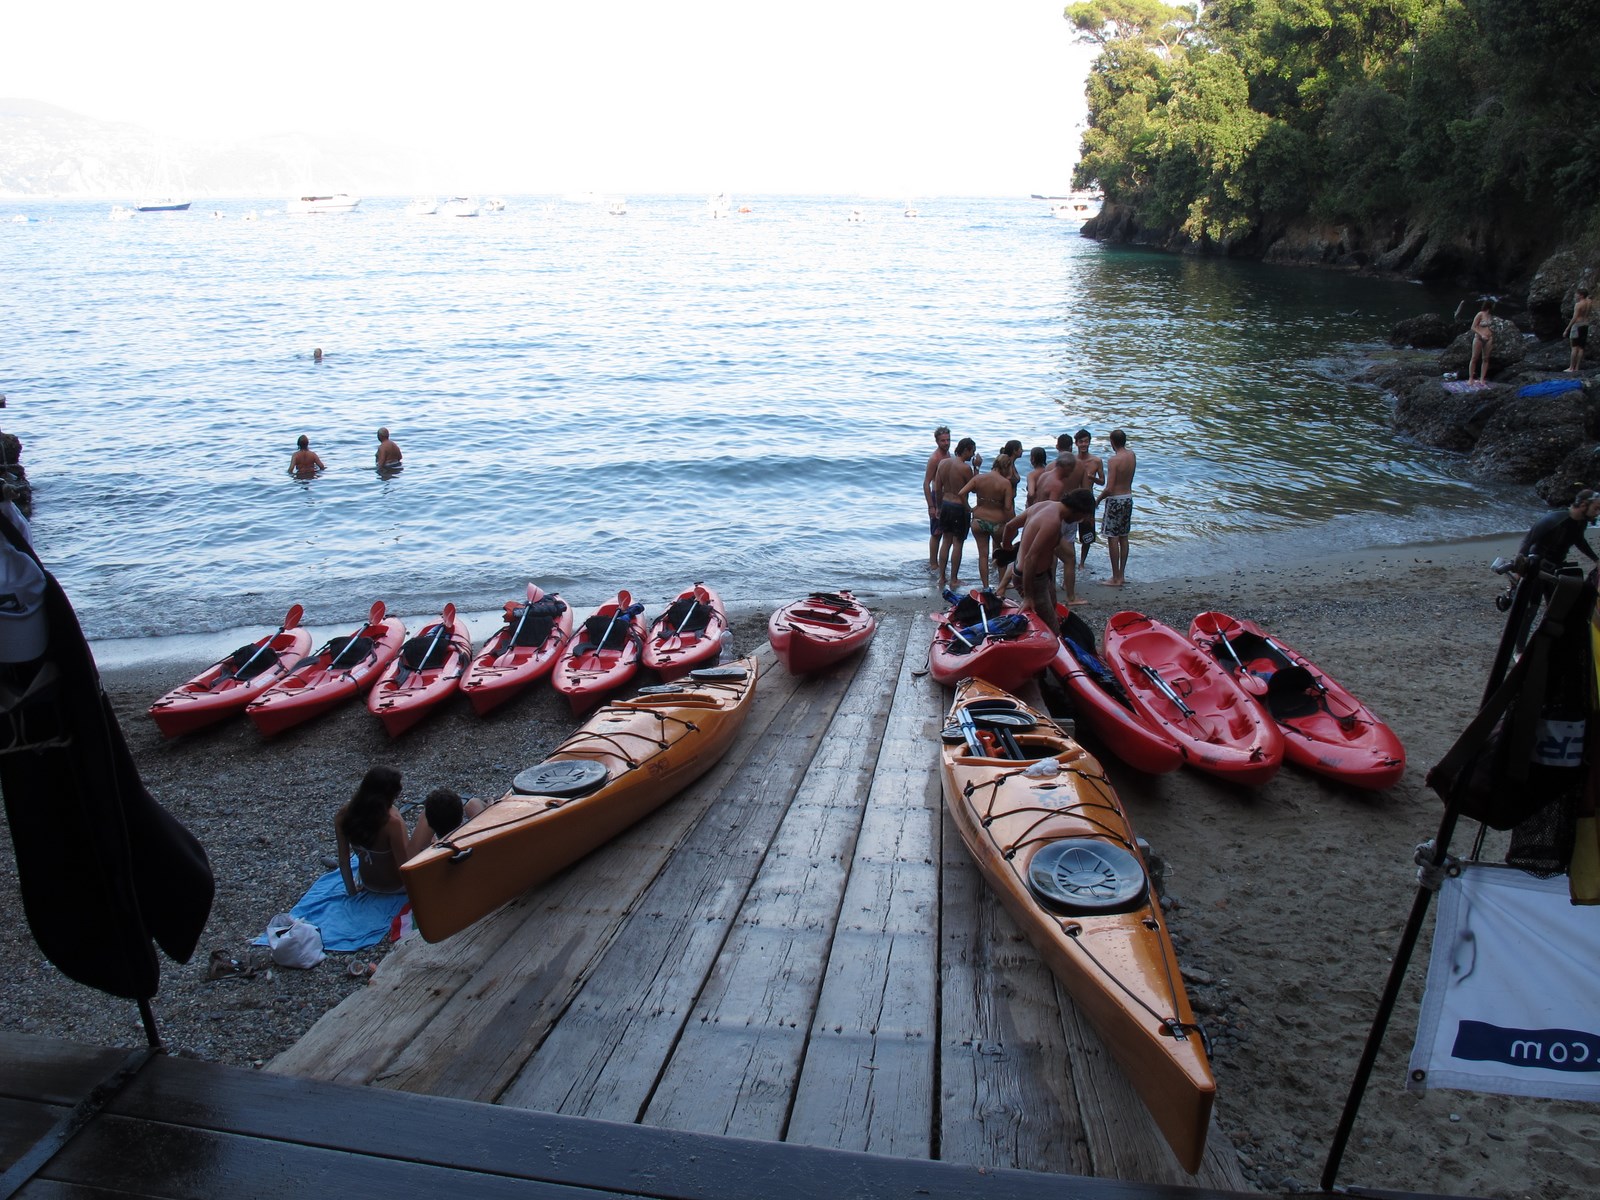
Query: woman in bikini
pixel 371 827
pixel 996 494
pixel 1482 343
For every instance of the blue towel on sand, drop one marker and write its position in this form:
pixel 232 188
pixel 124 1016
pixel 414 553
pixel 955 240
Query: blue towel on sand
pixel 346 922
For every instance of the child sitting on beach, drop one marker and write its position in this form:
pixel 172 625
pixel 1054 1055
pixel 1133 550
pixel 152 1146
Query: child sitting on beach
pixel 442 812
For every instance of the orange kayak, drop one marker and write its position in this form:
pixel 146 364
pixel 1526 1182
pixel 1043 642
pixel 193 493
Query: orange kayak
pixel 1051 838
pixel 224 688
pixel 626 760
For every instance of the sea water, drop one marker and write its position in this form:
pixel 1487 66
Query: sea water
pixel 596 402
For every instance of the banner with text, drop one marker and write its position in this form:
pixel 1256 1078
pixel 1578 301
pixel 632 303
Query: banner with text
pixel 1510 1004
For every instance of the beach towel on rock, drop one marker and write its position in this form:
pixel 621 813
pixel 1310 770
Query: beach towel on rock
pixel 347 922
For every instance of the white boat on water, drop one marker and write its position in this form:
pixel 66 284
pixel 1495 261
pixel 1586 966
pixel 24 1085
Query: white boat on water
pixel 422 206
pixel 1077 207
pixel 459 206
pixel 494 204
pixel 618 208
pixel 338 202
pixel 165 205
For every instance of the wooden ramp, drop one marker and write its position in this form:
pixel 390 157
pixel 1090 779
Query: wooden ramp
pixel 797 949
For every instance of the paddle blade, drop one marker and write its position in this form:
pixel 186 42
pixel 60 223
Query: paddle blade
pixel 292 617
pixel 624 598
pixel 534 592
pixel 700 593
pixel 449 616
pixel 378 612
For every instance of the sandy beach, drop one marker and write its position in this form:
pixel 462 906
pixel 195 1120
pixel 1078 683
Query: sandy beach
pixel 1287 901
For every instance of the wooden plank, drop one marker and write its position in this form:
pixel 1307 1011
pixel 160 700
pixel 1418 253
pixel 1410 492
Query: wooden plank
pixel 604 1057
pixel 1005 1095
pixel 867 1079
pixel 457 985
pixel 24 1122
pixel 473 1140
pixel 734 1069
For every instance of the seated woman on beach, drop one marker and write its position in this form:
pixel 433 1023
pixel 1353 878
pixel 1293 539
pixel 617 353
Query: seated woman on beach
pixel 371 826
pixel 442 812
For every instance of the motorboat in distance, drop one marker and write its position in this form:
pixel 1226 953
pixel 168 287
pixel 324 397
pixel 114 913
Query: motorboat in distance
pixel 338 202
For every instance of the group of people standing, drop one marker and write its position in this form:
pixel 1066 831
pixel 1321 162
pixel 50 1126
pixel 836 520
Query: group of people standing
pixel 1056 523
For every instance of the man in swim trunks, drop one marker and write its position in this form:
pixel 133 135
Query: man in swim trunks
pixel 388 453
pixel 1064 476
pixel 1093 471
pixel 305 462
pixel 1118 499
pixel 941 440
pixel 1482 344
pixel 994 493
pixel 953 475
pixel 1040 528
pixel 1578 330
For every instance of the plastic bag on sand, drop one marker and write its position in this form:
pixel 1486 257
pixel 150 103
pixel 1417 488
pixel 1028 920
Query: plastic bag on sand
pixel 293 942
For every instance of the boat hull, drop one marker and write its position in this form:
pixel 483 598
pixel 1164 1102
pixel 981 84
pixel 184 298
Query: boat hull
pixel 1336 735
pixel 650 747
pixel 600 657
pixel 808 635
pixel 405 692
pixel 502 670
pixel 1007 662
pixel 324 681
pixel 1112 953
pixel 684 637
pixel 214 695
pixel 1225 732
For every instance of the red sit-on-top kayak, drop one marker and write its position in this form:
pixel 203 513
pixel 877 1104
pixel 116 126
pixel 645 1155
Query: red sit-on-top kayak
pixel 1325 728
pixel 1104 705
pixel 688 635
pixel 427 669
pixel 984 637
pixel 1180 688
pixel 602 654
pixel 224 688
pixel 818 631
pixel 342 668
pixel 520 652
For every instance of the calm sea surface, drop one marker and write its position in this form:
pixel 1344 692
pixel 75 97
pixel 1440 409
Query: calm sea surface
pixel 593 401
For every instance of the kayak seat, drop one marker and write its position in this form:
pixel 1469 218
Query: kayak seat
pixel 615 634
pixel 533 622
pixel 1292 693
pixel 241 666
pixel 968 610
pixel 425 652
pixel 1087 875
pixel 679 609
pixel 347 651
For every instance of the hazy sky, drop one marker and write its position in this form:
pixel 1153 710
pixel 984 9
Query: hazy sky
pixel 892 97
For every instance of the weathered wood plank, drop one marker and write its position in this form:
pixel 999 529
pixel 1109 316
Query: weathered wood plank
pixel 606 1054
pixel 1005 1095
pixel 426 995
pixel 867 1079
pixel 734 1068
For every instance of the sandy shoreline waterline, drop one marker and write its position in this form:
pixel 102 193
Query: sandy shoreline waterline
pixel 1289 899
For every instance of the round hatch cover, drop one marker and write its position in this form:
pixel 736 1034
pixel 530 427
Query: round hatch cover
pixel 1086 875
pixel 728 672
pixel 560 777
pixel 660 689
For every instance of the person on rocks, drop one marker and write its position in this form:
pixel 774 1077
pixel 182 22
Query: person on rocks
pixel 1577 331
pixel 1482 343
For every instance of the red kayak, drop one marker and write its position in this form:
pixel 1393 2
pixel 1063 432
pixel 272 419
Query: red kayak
pixel 1325 728
pixel 1175 686
pixel 428 668
pixel 343 668
pixel 687 635
pixel 1105 706
pixel 521 651
pixel 224 688
pixel 818 631
pixel 984 637
pixel 602 655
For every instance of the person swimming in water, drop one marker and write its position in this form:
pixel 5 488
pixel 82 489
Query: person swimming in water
pixel 305 462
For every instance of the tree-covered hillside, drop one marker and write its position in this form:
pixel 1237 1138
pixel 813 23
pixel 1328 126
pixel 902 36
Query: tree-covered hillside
pixel 1479 119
